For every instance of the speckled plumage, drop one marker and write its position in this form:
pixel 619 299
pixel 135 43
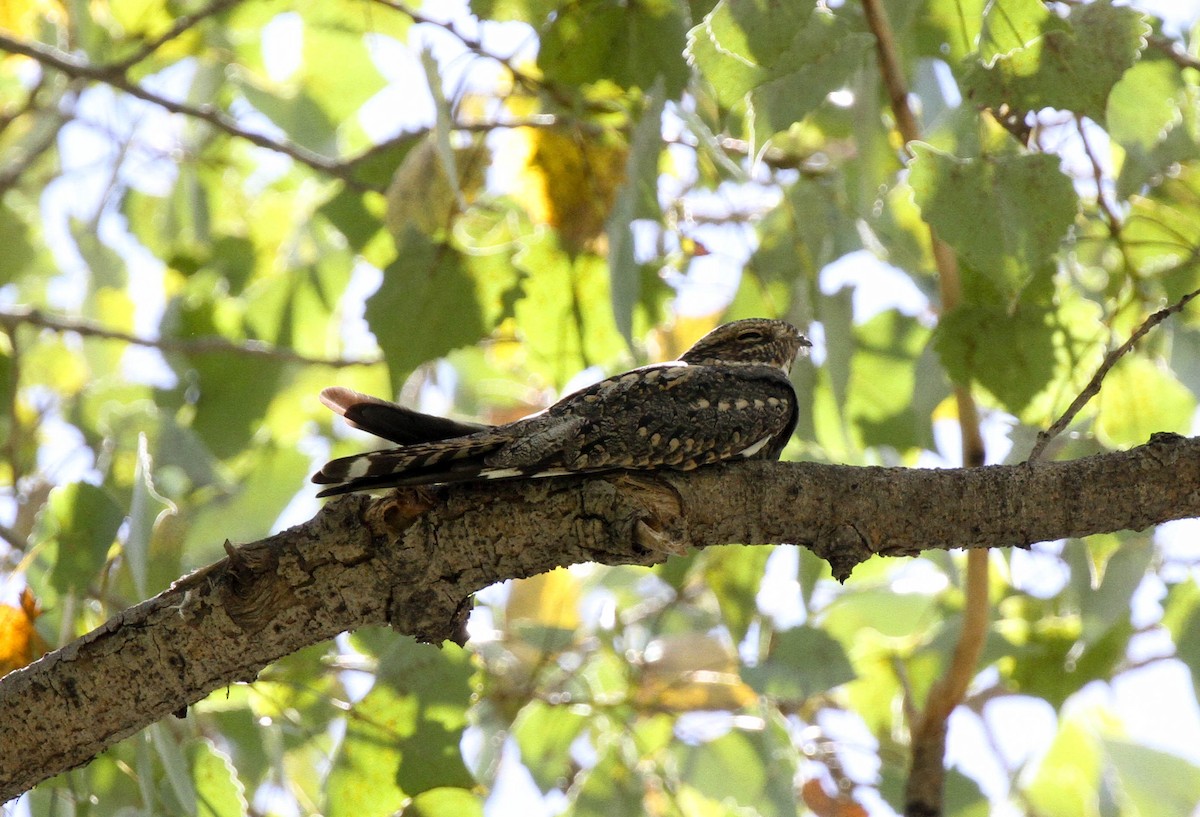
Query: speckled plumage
pixel 727 397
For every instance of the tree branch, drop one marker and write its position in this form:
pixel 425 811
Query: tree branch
pixel 412 560
pixel 249 348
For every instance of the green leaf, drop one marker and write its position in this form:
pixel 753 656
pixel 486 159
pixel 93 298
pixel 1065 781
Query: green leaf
pixel 1145 104
pixel 1004 215
pixel 737 42
pixel 436 684
pixel 637 198
pixel 249 512
pixel 1033 358
pixel 565 316
pixel 1071 67
pixel 1068 777
pixel 778 62
pixel 1160 231
pixel 219 793
pixel 949 29
pixel 1139 398
pixel 1153 782
pixel 533 12
pixel 803 662
pixel 765 764
pixel 1056 662
pixel 19 253
pixel 445 802
pixel 175 764
pixel 825 58
pixel 350 212
pixel 234 393
pixel 362 782
pixel 426 306
pixel 544 732
pixel 296 113
pixel 336 69
pixel 612 787
pixel 83 521
pixel 144 509
pixel 1010 25
pixel 630 44
pixel 881 402
pixel 734 574
pixel 877 609
pixel 1181 617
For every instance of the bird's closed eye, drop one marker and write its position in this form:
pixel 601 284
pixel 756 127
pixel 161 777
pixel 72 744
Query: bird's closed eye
pixel 750 335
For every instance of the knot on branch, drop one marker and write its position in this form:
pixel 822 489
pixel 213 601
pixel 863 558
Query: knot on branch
pixel 844 547
pixel 253 592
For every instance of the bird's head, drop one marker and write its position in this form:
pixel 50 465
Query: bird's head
pixel 760 341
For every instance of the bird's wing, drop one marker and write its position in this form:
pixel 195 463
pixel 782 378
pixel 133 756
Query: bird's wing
pixel 673 416
pixel 391 421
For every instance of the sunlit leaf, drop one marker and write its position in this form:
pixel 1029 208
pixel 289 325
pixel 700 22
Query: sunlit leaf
pixel 1066 779
pixel 1042 61
pixel 803 661
pixel 1005 215
pixel 219 793
pixel 632 45
pixel 82 521
pixel 445 802
pixel 426 306
pixel 544 734
pixel 1139 398
pixel 765 761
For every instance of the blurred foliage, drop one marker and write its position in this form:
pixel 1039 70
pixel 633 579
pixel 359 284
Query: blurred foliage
pixel 469 215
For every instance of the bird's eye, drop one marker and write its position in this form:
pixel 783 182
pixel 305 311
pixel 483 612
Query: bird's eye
pixel 750 335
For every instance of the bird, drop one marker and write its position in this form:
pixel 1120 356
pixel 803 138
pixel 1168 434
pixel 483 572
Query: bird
pixel 728 397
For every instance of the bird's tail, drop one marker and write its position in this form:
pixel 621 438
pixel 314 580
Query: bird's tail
pixel 455 460
pixel 393 422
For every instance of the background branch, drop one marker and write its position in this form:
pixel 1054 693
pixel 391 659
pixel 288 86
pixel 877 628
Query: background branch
pixel 115 76
pixel 250 348
pixel 413 559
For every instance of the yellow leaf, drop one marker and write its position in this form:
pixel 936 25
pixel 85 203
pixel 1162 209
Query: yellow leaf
pixel 690 672
pixel 23 17
pixel 20 642
pixel 567 181
pixel 549 599
pixel 669 344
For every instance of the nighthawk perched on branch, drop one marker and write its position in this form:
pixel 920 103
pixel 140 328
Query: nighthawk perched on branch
pixel 728 397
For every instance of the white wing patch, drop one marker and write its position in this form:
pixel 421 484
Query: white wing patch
pixel 754 449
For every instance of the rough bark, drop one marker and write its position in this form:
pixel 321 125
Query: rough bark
pixel 412 559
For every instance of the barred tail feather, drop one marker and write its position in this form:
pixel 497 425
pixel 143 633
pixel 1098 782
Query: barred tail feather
pixel 420 464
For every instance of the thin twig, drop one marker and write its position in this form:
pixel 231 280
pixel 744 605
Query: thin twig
pixel 15 540
pixel 531 83
pixel 1172 50
pixel 209 345
pixel 1110 360
pixel 1113 220
pixel 178 28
